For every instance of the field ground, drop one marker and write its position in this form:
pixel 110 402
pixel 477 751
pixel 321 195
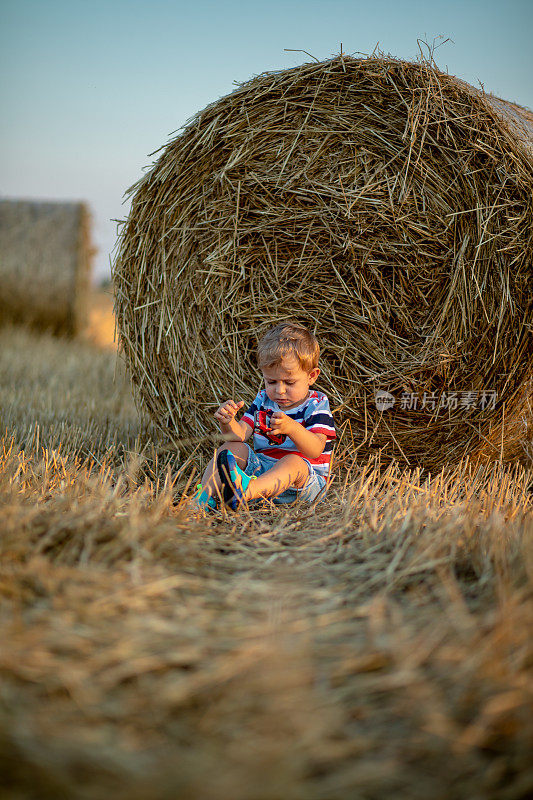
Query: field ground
pixel 377 646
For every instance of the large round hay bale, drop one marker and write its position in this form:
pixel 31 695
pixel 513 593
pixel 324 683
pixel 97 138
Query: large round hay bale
pixel 383 203
pixel 45 260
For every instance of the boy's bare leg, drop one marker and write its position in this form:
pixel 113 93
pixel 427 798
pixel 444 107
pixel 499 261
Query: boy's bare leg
pixel 289 471
pixel 210 481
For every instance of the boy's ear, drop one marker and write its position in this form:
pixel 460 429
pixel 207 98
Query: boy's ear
pixel 313 375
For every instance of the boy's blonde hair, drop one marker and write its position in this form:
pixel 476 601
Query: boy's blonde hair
pixel 288 339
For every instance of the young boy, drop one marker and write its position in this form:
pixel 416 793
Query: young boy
pixel 292 426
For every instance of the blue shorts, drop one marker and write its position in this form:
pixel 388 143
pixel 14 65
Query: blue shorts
pixel 258 463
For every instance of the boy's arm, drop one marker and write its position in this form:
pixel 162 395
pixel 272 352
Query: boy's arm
pixel 310 444
pixel 248 432
pixel 236 432
pixel 231 430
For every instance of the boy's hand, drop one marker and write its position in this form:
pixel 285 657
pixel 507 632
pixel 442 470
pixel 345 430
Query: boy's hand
pixel 281 423
pixel 227 411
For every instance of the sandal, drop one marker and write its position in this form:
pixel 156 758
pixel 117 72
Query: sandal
pixel 228 469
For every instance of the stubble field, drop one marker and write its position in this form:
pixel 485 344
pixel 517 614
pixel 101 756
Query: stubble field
pixel 378 645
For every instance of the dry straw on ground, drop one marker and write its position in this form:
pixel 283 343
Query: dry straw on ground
pixel 385 204
pixel 45 260
pixel 375 646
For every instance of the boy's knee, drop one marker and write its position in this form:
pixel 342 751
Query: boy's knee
pixel 297 462
pixel 292 458
pixel 239 450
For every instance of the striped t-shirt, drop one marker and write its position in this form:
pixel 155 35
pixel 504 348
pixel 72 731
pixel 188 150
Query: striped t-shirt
pixel 314 414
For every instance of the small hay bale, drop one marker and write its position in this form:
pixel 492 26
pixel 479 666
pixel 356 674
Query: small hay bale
pixel 383 203
pixel 45 262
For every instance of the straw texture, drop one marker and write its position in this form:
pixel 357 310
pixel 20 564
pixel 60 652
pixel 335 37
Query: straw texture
pixel 383 203
pixel 45 261
pixel 376 646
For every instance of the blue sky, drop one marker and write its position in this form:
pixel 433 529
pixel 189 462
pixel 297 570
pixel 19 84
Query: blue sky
pixel 90 87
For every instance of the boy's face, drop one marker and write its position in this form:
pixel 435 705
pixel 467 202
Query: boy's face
pixel 287 384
